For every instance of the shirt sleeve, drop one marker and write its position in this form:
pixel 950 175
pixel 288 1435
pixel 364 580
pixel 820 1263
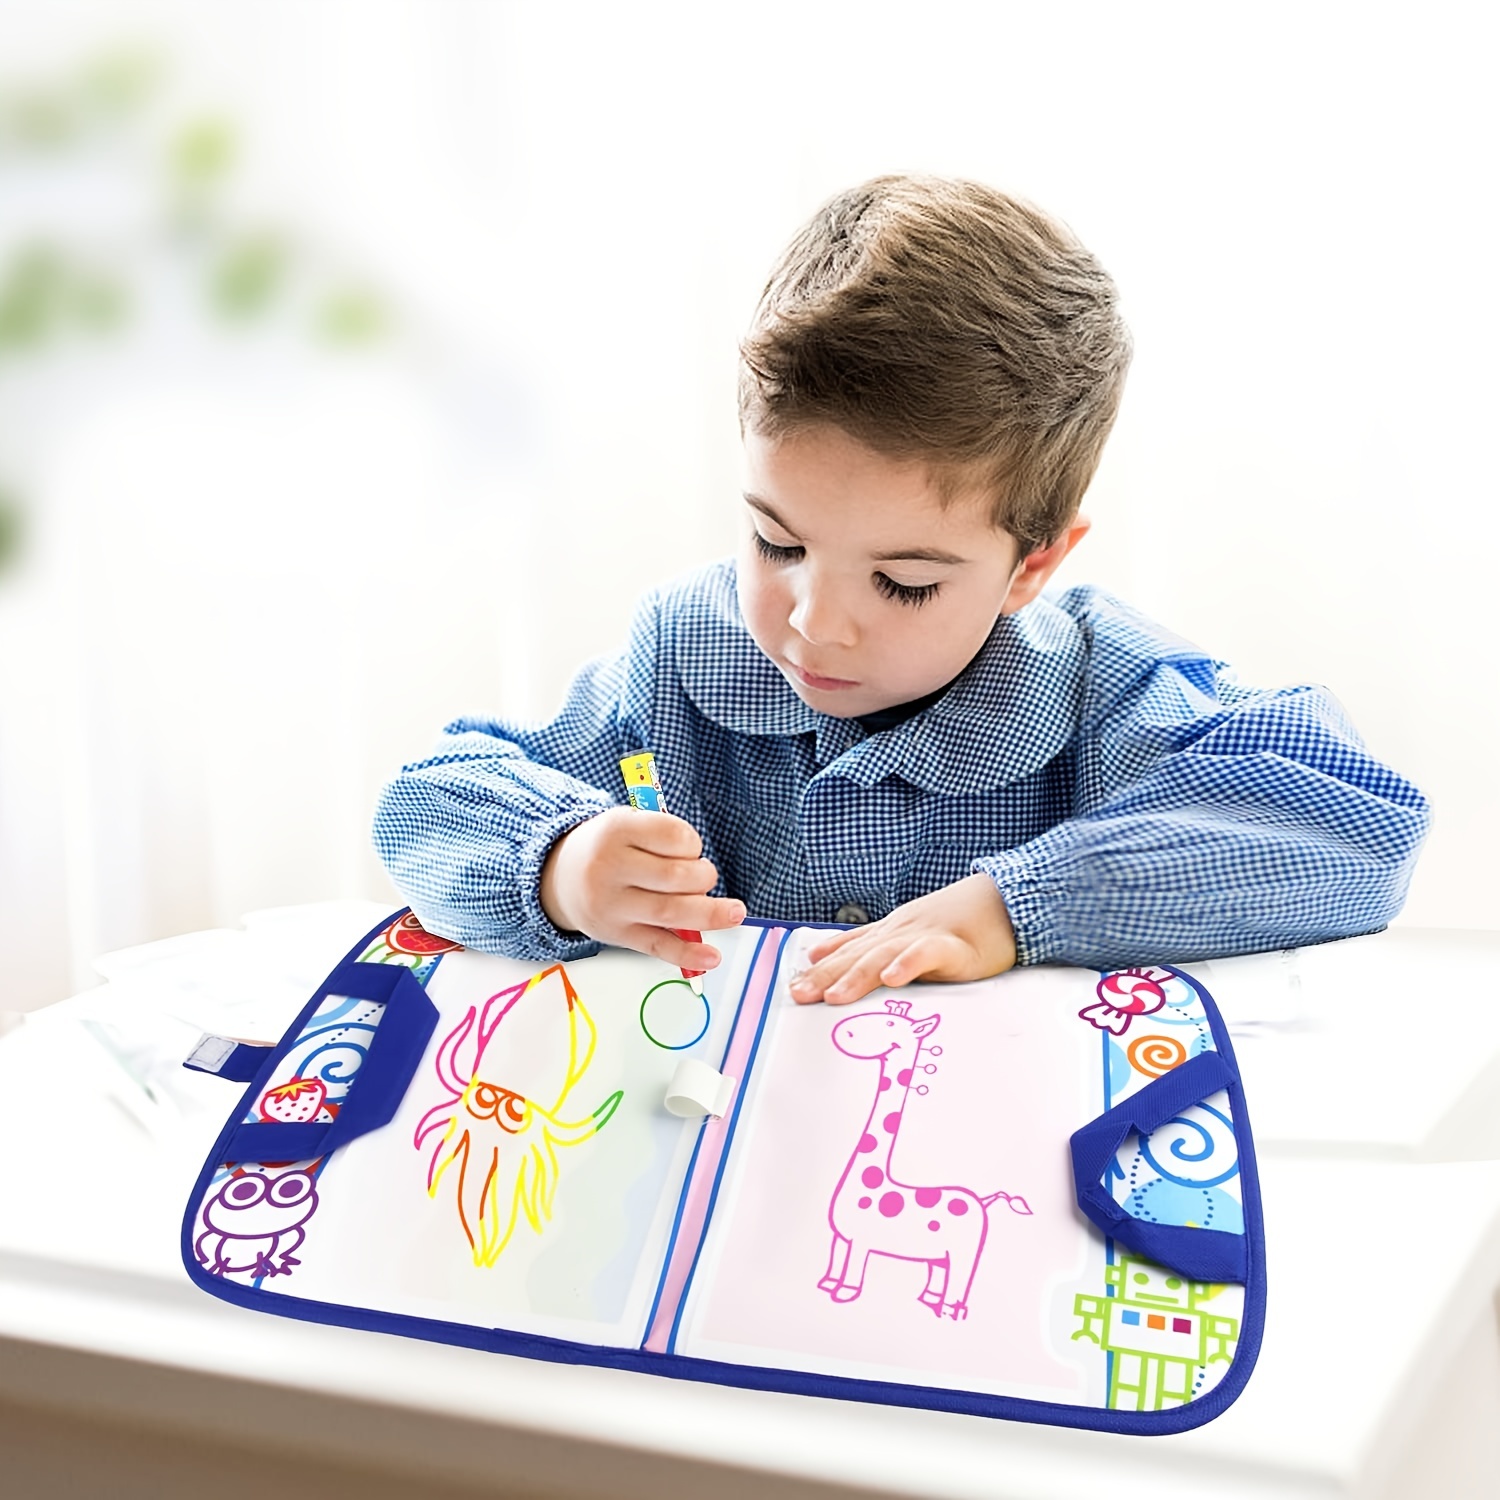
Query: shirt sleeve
pixel 1213 820
pixel 464 833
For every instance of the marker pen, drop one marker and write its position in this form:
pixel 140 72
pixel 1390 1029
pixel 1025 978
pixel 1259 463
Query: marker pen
pixel 644 790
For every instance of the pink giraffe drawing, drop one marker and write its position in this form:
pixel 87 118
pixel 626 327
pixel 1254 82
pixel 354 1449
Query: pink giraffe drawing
pixel 872 1212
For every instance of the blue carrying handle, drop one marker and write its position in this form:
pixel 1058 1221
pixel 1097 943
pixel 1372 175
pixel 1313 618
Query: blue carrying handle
pixel 396 1048
pixel 1199 1254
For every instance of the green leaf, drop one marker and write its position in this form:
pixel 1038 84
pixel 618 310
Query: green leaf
pixel 98 303
pixel 248 277
pixel 32 289
pixel 39 118
pixel 12 530
pixel 120 81
pixel 203 153
pixel 351 316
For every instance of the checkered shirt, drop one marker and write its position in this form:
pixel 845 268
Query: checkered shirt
pixel 1132 802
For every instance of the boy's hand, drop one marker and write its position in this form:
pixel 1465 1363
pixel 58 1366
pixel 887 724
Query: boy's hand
pixel 960 932
pixel 626 877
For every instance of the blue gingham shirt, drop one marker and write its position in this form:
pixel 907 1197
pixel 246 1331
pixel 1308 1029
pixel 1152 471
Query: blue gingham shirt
pixel 1131 801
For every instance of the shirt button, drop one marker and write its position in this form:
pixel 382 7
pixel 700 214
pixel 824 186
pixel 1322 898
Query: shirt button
pixel 853 913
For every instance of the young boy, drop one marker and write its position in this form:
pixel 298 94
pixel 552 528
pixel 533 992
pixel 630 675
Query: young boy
pixel 874 715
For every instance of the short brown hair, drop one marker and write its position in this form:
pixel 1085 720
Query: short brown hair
pixel 943 320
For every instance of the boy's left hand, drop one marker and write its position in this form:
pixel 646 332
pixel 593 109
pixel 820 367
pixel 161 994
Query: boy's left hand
pixel 962 931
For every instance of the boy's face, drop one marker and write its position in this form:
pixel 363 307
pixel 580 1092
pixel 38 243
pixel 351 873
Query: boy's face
pixel 863 588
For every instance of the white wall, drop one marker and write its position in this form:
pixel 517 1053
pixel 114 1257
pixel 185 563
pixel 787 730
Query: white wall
pixel 574 207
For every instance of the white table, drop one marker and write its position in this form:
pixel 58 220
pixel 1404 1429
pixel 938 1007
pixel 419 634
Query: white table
pixel 118 1377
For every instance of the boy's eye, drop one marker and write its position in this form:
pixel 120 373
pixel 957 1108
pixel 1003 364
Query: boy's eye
pixel 772 553
pixel 915 594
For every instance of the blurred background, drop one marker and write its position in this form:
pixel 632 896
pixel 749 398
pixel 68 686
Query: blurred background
pixel 360 364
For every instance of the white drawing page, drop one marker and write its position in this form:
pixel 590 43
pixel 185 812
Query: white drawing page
pixel 530 1177
pixel 898 1203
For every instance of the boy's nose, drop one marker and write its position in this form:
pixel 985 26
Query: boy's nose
pixel 818 619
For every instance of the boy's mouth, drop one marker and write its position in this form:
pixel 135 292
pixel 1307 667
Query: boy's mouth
pixel 821 684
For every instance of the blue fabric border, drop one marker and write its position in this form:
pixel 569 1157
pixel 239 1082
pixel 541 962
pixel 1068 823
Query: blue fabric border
pixel 1253 1318
pixel 755 1377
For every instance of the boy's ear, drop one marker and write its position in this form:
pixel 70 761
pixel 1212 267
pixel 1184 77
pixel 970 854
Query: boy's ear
pixel 1033 571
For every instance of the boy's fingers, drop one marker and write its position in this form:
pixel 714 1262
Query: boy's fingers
pixel 922 957
pixel 661 833
pixel 700 913
pixel 660 943
pixel 820 950
pixel 875 956
pixel 809 985
pixel 859 978
pixel 831 957
pixel 723 911
pixel 814 982
pixel 668 876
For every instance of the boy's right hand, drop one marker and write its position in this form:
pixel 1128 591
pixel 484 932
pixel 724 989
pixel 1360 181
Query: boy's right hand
pixel 627 877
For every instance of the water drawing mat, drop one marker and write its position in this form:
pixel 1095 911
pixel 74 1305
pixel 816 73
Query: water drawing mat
pixel 1032 1197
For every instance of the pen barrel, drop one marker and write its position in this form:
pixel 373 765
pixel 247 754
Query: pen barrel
pixel 643 788
pixel 642 785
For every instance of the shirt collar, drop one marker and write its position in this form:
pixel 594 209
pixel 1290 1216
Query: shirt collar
pixel 1010 712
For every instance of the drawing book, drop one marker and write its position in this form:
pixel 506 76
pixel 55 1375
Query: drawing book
pixel 1030 1197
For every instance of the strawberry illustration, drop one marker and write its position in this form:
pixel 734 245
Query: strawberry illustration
pixel 409 936
pixel 294 1102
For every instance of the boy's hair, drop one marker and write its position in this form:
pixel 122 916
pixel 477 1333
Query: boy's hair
pixel 942 320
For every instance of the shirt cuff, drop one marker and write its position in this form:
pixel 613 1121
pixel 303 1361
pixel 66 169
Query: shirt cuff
pixel 1030 883
pixel 541 937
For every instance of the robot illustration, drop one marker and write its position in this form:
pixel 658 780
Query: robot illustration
pixel 1159 1340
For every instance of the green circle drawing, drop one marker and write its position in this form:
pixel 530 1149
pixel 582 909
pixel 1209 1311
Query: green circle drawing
pixel 671 1017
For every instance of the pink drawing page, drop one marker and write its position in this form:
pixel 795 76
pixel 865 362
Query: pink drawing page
pixel 897 1202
